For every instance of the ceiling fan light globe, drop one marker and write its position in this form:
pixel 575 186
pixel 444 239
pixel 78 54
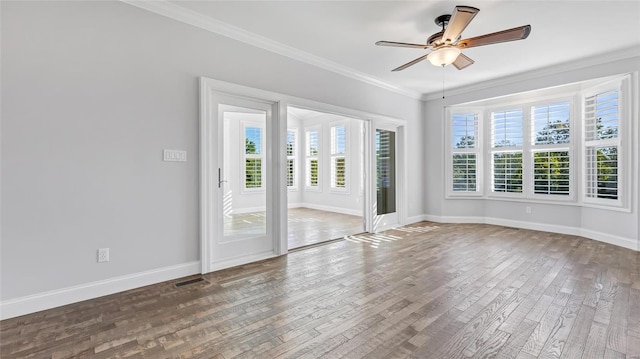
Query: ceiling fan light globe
pixel 443 56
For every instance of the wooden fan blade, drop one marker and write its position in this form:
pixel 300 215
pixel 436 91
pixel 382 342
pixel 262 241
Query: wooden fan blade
pixel 401 44
pixel 461 17
pixel 410 63
pixel 517 33
pixel 462 62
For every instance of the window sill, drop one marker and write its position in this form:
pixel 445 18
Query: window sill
pixel 567 202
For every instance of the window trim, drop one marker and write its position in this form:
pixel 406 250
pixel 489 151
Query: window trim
pixel 491 150
pixel 622 142
pixel 477 150
pixel 574 141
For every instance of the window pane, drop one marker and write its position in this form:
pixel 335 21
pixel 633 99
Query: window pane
pixel 464 128
pixel 338 139
pixel 338 172
pixel 464 172
pixel 312 174
pixel 385 171
pixel 253 140
pixel 602 172
pixel 551 172
pixel 291 172
pixel 253 172
pixel 312 143
pixel 601 113
pixel 551 123
pixel 291 143
pixel 507 172
pixel 507 128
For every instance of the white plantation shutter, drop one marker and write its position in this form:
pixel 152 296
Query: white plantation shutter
pixel 507 133
pixel 601 116
pixel 312 172
pixel 602 145
pixel 292 150
pixel 253 157
pixel 546 148
pixel 465 153
pixel 465 172
pixel 338 157
pixel 551 123
pixel 507 172
pixel 506 128
pixel 551 172
pixel 464 130
pixel 601 172
pixel 312 178
pixel 550 156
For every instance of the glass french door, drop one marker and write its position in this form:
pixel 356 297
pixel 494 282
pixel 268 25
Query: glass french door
pixel 384 182
pixel 240 189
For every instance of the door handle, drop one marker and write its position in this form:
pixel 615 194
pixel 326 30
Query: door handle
pixel 220 181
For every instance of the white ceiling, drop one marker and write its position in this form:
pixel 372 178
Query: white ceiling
pixel 343 33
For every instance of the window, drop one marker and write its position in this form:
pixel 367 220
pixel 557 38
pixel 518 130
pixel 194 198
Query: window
pixel 339 157
pixel 551 148
pixel 506 150
pixel 292 148
pixel 601 112
pixel 464 153
pixel 537 148
pixel 312 159
pixel 253 157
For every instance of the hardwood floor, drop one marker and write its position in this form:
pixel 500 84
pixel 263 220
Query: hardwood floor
pixel 424 291
pixel 306 226
pixel 311 226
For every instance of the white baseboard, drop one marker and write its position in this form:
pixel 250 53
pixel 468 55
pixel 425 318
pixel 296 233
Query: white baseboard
pixel 353 212
pixel 629 243
pixel 416 219
pixel 533 226
pixel 611 239
pixel 453 219
pixel 36 302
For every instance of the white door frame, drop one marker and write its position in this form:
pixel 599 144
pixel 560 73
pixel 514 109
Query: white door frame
pixel 277 174
pixel 210 94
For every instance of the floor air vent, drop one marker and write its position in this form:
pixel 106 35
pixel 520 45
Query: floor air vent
pixel 190 281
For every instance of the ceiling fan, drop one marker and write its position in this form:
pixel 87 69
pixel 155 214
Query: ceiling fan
pixel 446 44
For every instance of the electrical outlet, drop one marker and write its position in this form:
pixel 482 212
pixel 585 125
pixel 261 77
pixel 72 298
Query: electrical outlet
pixel 103 255
pixel 527 209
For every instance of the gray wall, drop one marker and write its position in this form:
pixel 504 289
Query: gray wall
pixel 609 222
pixel 91 93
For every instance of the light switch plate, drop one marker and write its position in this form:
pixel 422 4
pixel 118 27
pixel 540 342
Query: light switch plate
pixel 175 155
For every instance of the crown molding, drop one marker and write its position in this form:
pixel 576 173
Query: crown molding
pixel 179 13
pixel 542 72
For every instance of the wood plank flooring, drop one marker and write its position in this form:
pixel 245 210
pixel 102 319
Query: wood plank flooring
pixel 306 226
pixel 423 291
pixel 310 226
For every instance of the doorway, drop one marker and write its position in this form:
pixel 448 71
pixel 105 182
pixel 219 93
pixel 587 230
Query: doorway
pixel 325 176
pixel 253 155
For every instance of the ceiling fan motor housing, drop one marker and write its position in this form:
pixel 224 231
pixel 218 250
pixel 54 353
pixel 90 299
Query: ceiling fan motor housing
pixel 443 20
pixel 435 37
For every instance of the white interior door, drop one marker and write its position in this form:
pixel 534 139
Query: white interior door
pixel 384 183
pixel 240 189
